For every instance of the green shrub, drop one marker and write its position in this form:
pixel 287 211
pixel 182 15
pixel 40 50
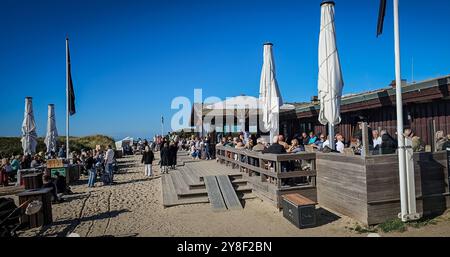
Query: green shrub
pixel 12 145
pixel 394 225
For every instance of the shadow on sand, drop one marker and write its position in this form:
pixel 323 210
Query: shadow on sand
pixel 73 223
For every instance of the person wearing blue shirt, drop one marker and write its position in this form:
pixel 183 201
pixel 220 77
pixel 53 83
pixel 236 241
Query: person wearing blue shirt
pixel 312 138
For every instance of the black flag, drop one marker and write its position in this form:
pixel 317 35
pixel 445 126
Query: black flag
pixel 381 14
pixel 71 93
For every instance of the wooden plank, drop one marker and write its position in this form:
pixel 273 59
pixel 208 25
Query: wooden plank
pixel 228 193
pixel 214 194
pixel 168 190
pixel 298 199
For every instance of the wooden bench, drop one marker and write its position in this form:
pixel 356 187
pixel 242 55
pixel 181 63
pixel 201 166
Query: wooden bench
pixel 299 210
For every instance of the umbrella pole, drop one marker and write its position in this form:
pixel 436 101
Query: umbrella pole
pixel 331 133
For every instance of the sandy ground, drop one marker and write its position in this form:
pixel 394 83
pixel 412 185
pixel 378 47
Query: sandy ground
pixel 133 207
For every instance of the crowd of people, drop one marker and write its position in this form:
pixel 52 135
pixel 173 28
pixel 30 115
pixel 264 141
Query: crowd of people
pixel 379 142
pixel 96 163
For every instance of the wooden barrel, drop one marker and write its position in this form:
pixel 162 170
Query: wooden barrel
pixel 32 181
pixel 44 216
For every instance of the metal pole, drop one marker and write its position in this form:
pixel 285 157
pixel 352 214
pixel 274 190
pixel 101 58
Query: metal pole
pixel 399 103
pixel 331 134
pixel 67 97
pixel 162 126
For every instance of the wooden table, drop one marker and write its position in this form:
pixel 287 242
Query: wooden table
pixel 44 216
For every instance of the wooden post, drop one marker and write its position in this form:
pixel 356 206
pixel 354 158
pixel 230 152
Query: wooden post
pixel 365 140
pixel 433 135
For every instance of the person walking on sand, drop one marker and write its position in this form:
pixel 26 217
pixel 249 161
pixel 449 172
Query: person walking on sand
pixel 90 167
pixel 147 160
pixel 165 155
pixel 109 160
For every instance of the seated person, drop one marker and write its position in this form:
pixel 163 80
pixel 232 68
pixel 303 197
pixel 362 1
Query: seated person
pixel 61 184
pixel 281 142
pixel 340 143
pixel 48 183
pixel 260 145
pixel 388 144
pixel 441 141
pixel 312 138
pixel 295 148
pixel 275 147
pixel 319 144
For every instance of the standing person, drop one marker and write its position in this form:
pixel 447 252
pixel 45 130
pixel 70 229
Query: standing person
pixel 62 152
pixel 175 153
pixel 90 167
pixel 109 160
pixel 165 152
pixel 172 155
pixel 147 160
pixel 207 148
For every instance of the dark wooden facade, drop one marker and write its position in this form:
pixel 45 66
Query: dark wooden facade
pixel 425 103
pixel 367 189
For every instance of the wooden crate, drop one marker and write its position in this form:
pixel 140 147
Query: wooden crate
pixel 44 216
pixel 299 210
pixel 32 181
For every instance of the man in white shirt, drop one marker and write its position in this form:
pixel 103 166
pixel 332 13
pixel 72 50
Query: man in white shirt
pixel 109 160
pixel 339 144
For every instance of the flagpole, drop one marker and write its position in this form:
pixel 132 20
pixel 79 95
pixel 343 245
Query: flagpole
pixel 162 126
pixel 67 97
pixel 399 104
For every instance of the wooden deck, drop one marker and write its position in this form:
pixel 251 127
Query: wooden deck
pixel 186 184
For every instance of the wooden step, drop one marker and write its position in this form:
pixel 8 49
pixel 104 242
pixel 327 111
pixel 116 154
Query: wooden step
pixel 170 197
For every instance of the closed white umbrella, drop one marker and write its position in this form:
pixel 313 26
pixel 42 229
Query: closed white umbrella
pixel 29 136
pixel 269 94
pixel 52 132
pixel 330 82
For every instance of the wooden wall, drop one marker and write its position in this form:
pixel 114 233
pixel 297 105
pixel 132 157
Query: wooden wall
pixel 367 189
pixel 341 185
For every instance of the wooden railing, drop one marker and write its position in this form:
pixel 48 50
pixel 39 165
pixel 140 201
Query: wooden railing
pixel 285 171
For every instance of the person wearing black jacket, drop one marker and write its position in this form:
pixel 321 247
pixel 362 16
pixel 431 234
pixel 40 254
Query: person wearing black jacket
pixel 173 149
pixel 147 160
pixel 388 144
pixel 165 155
pixel 275 147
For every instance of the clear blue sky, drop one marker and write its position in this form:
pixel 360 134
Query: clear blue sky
pixel 131 58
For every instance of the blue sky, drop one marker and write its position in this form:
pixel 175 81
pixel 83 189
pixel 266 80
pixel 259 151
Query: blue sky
pixel 131 58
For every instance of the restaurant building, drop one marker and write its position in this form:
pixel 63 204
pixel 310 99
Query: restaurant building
pixel 426 110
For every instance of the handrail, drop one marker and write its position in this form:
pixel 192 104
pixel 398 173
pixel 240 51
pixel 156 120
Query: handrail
pixel 270 165
pixel 270 157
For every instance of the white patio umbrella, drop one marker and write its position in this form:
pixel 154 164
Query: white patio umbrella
pixel 330 82
pixel 52 132
pixel 29 136
pixel 269 93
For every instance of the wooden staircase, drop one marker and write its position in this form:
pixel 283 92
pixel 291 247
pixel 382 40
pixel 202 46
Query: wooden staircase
pixel 186 184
